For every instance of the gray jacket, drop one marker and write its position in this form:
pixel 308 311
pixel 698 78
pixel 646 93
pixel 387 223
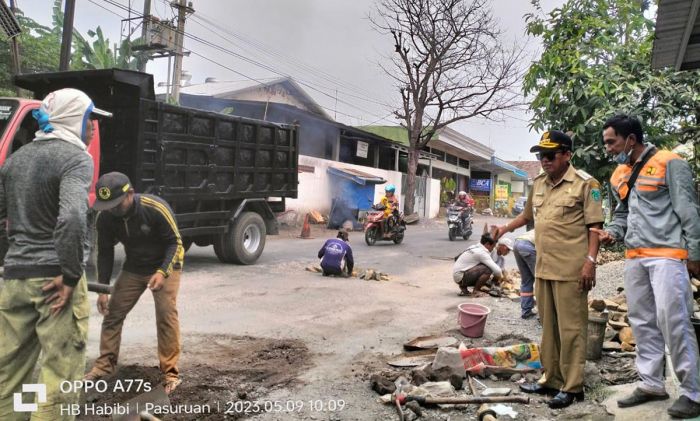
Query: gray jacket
pixel 44 196
pixel 662 216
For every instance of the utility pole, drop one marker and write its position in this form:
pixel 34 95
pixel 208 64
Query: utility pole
pixel 182 11
pixel 14 52
pixel 67 40
pixel 142 59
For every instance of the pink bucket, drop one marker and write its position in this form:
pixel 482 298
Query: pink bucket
pixel 472 319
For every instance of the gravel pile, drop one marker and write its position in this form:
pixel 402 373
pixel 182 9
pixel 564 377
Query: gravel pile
pixel 609 277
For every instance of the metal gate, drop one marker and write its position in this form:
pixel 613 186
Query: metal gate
pixel 421 193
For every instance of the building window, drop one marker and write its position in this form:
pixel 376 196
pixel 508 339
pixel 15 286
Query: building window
pixel 451 159
pixel 463 163
pixel 387 159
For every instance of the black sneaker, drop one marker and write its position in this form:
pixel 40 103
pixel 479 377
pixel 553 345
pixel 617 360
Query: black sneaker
pixel 528 315
pixel 684 408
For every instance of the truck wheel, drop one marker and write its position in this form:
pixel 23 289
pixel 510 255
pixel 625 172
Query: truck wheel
pixel 244 241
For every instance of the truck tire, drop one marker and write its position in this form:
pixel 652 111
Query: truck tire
pixel 244 242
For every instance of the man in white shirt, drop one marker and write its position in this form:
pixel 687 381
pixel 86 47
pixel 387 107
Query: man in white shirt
pixel 475 266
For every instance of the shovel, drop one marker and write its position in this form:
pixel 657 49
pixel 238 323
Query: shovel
pixel 137 404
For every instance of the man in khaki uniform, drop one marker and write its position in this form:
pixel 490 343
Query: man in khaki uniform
pixel 564 203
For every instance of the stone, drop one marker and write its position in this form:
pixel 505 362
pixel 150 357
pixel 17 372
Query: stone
pixel 627 347
pixel 623 307
pixel 695 282
pixel 451 358
pixel 617 325
pixel 591 375
pixel 382 385
pixel 611 305
pixel 597 305
pixel 493 378
pixel 516 377
pixel 415 408
pixel 627 336
pixel 457 381
pixel 496 391
pixel 611 346
pixel 419 377
pixel 610 333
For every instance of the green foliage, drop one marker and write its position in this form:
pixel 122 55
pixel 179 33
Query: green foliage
pixel 40 50
pixel 596 62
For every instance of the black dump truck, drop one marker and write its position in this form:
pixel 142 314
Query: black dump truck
pixel 224 176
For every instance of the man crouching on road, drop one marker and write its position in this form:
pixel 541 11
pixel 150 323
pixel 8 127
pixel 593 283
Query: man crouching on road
pixel 146 227
pixel 43 301
pixel 475 265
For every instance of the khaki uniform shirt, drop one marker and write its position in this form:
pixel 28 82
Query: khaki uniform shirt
pixel 561 212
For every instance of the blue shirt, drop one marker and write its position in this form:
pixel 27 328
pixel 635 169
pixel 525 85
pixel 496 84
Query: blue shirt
pixel 332 254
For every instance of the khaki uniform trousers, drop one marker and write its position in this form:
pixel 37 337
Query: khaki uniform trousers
pixel 128 288
pixel 563 311
pixel 27 330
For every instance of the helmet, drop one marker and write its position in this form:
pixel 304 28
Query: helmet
pixel 390 188
pixel 462 194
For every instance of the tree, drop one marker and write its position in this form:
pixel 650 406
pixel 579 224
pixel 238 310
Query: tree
pixel 449 65
pixel 596 62
pixel 99 55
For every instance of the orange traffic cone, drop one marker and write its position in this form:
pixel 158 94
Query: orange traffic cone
pixel 306 229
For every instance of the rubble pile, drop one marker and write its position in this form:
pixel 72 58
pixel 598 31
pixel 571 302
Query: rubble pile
pixel 618 333
pixel 373 275
pixel 607 256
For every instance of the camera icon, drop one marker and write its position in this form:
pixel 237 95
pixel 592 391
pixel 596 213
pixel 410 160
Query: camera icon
pixel 38 388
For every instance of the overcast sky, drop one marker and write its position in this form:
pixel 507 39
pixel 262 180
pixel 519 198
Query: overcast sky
pixel 327 45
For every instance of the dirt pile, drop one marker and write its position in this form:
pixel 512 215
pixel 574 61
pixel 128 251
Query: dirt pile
pixel 217 370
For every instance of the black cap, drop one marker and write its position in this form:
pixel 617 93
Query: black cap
pixel 553 140
pixel 110 190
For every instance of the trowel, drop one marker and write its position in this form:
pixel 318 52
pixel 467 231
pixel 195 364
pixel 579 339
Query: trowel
pixel 137 404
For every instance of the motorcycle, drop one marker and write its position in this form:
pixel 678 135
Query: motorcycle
pixel 375 227
pixel 456 226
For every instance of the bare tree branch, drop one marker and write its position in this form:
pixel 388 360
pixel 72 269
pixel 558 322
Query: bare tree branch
pixel 449 64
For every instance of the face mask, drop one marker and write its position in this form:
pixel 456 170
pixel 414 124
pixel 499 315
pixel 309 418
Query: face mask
pixel 623 157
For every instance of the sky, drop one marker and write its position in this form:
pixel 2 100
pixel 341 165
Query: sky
pixel 329 46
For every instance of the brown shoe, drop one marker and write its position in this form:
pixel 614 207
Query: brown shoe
pixel 95 375
pixel 639 397
pixel 171 384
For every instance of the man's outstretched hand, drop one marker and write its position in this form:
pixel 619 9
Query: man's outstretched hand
pixel 603 236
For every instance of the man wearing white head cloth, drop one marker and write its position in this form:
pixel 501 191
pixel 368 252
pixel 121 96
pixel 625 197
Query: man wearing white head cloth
pixel 43 300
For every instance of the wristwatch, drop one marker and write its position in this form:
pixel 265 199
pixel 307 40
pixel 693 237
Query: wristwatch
pixel 592 259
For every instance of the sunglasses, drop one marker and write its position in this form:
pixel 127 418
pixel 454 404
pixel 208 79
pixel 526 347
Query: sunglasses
pixel 549 155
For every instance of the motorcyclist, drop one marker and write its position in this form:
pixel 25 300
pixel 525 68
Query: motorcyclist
pixel 390 203
pixel 462 202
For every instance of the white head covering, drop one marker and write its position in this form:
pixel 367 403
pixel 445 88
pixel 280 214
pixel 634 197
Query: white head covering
pixel 63 115
pixel 506 242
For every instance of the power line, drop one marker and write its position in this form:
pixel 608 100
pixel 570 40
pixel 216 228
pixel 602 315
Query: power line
pixel 246 59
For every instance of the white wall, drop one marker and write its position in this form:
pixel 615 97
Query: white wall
pixel 316 190
pixel 433 200
pixel 517 187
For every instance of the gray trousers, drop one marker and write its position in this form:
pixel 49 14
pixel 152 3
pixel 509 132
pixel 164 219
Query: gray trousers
pixel 525 256
pixel 660 305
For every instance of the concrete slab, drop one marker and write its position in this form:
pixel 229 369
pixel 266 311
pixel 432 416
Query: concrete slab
pixel 649 411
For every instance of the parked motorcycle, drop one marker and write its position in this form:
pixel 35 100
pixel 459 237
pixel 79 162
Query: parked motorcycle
pixel 375 227
pixel 456 226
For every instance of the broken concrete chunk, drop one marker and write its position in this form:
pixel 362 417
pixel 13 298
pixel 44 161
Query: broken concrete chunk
pixel 611 346
pixel 451 359
pixel 496 391
pixel 627 336
pixel 382 385
pixel 597 305
pixel 617 325
pixel 611 305
pixel 627 347
pixel 623 308
pixel 610 333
